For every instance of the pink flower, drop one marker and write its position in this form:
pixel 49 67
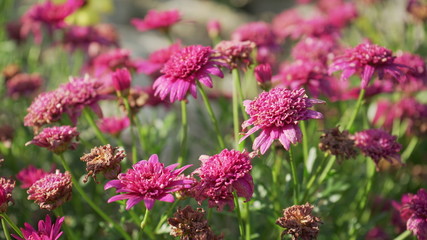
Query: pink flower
pixel 214 28
pixel 340 15
pixel 276 113
pixel 30 175
pixel 52 190
pixel 6 188
pixel 148 181
pixel 121 79
pixel 46 230
pixel 23 84
pixel 162 20
pixel 378 144
pixel 366 59
pixel 184 68
pixel 56 139
pixel 314 49
pixel 285 23
pixel 108 62
pixel 113 125
pixel 157 59
pixel 46 108
pixel 416 73
pixel 263 73
pixel 220 175
pixel 377 233
pixel 236 54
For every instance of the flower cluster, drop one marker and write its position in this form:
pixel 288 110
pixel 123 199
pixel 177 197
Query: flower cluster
pixel 46 230
pixel 6 187
pixel 56 139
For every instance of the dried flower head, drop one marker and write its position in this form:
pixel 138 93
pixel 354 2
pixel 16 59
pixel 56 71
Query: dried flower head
pixel 236 54
pixel 105 159
pixel 299 222
pixel 56 139
pixel 190 224
pixel 52 190
pixel 46 230
pixel 337 143
pixel 161 20
pixel 148 181
pixel 23 84
pixel 113 125
pixel 6 135
pixel 6 187
pixel 378 144
pixel 10 71
pixel 45 108
pixel 30 175
pixel 276 113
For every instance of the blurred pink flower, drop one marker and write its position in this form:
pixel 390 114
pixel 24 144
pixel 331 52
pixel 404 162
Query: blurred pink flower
pixel 113 125
pixel 46 108
pixel 220 175
pixel 23 84
pixel 236 54
pixel 108 62
pixel 148 181
pixel 377 233
pixel 121 79
pixel 6 188
pixel 184 68
pixel 30 175
pixel 46 230
pixel 214 28
pixel 276 113
pixel 285 23
pixel 157 59
pixel 341 15
pixel 416 73
pixel 162 20
pixel 263 73
pixel 315 49
pixel 56 139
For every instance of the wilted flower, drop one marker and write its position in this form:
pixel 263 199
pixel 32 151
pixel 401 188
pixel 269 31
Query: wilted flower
pixel 161 20
pixel 23 84
pixel 56 139
pixel 378 144
pixel 148 181
pixel 366 59
pixel 299 222
pixel 113 125
pixel 276 113
pixel 184 68
pixel 52 190
pixel 6 135
pixel 221 175
pixel 30 175
pixel 337 143
pixel 105 159
pixel 157 59
pixel 121 79
pixel 6 188
pixel 190 224
pixel 10 71
pixel 46 230
pixel 236 54
pixel 418 9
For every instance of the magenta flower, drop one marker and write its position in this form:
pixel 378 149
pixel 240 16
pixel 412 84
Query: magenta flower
pixel 220 175
pixel 46 230
pixel 416 73
pixel 56 139
pixel 314 49
pixel 23 84
pixel 108 62
pixel 121 79
pixel 6 188
pixel 184 68
pixel 30 175
pixel 162 20
pixel 285 23
pixel 148 181
pixel 157 59
pixel 341 15
pixel 113 125
pixel 366 59
pixel 263 73
pixel 378 144
pixel 276 113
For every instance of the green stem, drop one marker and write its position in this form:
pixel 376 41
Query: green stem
pixel 144 221
pixel 11 224
pixel 211 115
pixel 59 213
pixel 132 120
pixel 95 207
pixel 294 177
pixel 236 123
pixel 239 216
pixel 277 168
pixel 247 222
pixel 356 109
pixel 304 142
pixel 5 229
pixel 403 235
pixel 410 148
pixel 95 127
pixel 184 129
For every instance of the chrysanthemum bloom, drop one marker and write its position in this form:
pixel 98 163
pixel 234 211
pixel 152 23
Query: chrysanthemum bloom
pixel 276 113
pixel 52 190
pixel 220 175
pixel 6 135
pixel 337 143
pixel 56 139
pixel 308 74
pixel 315 49
pixel 161 20
pixel 236 54
pixel 46 230
pixel 263 73
pixel 378 144
pixel 184 68
pixel 23 84
pixel 285 23
pixel 366 59
pixel 148 181
pixel 157 59
pixel 6 187
pixel 113 125
pixel 299 222
pixel 104 159
pixel 30 175
pixel 190 224
pixel 416 73
pixel 121 79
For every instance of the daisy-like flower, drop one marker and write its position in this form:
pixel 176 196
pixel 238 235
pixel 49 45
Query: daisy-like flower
pixel 6 187
pixel 161 20
pixel 157 59
pixel 113 125
pixel 30 175
pixel 220 175
pixel 378 144
pixel 184 68
pixel 276 113
pixel 366 59
pixel 23 84
pixel 56 139
pixel 46 230
pixel 236 54
pixel 148 181
pixel 52 190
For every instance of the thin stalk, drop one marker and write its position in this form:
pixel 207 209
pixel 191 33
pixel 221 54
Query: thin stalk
pixel 356 109
pixel 211 115
pixel 95 127
pixel 184 134
pixel 247 222
pixel 239 216
pixel 410 148
pixel 236 122
pixel 403 235
pixel 304 142
pixel 132 120
pixel 11 224
pixel 5 229
pixel 277 168
pixel 240 93
pixel 144 221
pixel 294 177
pixel 95 207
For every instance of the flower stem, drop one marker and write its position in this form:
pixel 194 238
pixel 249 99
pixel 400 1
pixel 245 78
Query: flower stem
pixel 247 222
pixel 11 224
pixel 403 235
pixel 211 115
pixel 59 213
pixel 144 221
pixel 184 130
pixel 236 125
pixel 5 229
pixel 356 109
pixel 410 148
pixel 132 120
pixel 92 123
pixel 239 216
pixel 294 177
pixel 304 142
pixel 91 203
